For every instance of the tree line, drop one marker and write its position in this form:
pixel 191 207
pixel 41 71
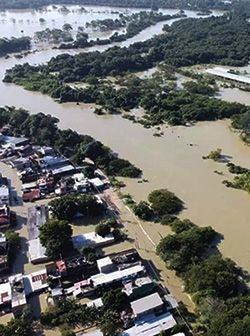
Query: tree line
pixel 43 130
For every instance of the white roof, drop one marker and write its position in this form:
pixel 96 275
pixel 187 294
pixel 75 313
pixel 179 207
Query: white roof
pixel 63 169
pixel 4 191
pixel 93 333
pixel 104 262
pixel 97 182
pixel 146 303
pixel 103 278
pixel 36 252
pixel 179 334
pixel 5 293
pixel 221 72
pixel 91 239
pixel 151 325
pixel 95 303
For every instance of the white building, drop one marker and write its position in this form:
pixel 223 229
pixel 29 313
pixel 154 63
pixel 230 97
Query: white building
pixel 91 239
pixel 151 325
pixel 4 195
pixel 146 305
pixel 105 265
pixel 120 275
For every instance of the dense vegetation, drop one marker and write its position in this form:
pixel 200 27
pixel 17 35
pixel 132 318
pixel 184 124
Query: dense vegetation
pixel 53 35
pixel 21 326
pixel 55 236
pixel 183 249
pixel 188 4
pixel 14 45
pixel 42 129
pixel 68 206
pixel 203 38
pixel 73 314
pixel 164 202
pixel 242 123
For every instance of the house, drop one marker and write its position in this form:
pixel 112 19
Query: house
pixel 103 279
pixel 13 141
pixel 4 217
pixel 91 239
pixel 18 296
pixel 36 252
pixel 105 265
pixel 4 195
pixel 31 195
pixel 151 325
pixel 5 295
pixel 20 163
pixel 35 282
pixel 147 305
pixel 140 287
pixel 97 183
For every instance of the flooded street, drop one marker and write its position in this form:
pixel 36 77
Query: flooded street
pixel 167 162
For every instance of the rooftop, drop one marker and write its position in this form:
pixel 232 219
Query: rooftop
pixel 222 72
pixel 146 303
pixel 102 279
pixel 36 252
pixel 151 325
pixel 91 239
pixel 5 293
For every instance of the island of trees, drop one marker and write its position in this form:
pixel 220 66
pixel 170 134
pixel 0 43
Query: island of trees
pixel 14 45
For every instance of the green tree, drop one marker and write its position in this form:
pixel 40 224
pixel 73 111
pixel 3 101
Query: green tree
pixel 143 210
pixel 164 202
pixel 102 229
pixel 214 274
pixel 115 300
pixel 55 236
pixel 110 324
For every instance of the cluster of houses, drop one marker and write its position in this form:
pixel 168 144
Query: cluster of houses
pixel 43 171
pixel 151 308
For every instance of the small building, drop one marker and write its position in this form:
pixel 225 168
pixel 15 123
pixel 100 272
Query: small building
pixel 151 325
pixel 18 301
pixel 103 279
pixel 105 265
pixel 20 163
pixel 147 305
pixel 13 141
pixel 4 195
pixel 5 295
pixel 97 183
pixel 140 287
pixel 35 282
pixel 31 195
pixel 91 239
pixel 4 217
pixel 36 252
pixel 95 303
pixel 179 334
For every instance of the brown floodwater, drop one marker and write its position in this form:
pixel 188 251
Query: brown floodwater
pixel 167 162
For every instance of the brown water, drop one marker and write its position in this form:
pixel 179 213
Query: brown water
pixel 167 162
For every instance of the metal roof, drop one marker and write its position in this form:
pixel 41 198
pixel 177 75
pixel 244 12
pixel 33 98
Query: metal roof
pixel 224 73
pixel 146 303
